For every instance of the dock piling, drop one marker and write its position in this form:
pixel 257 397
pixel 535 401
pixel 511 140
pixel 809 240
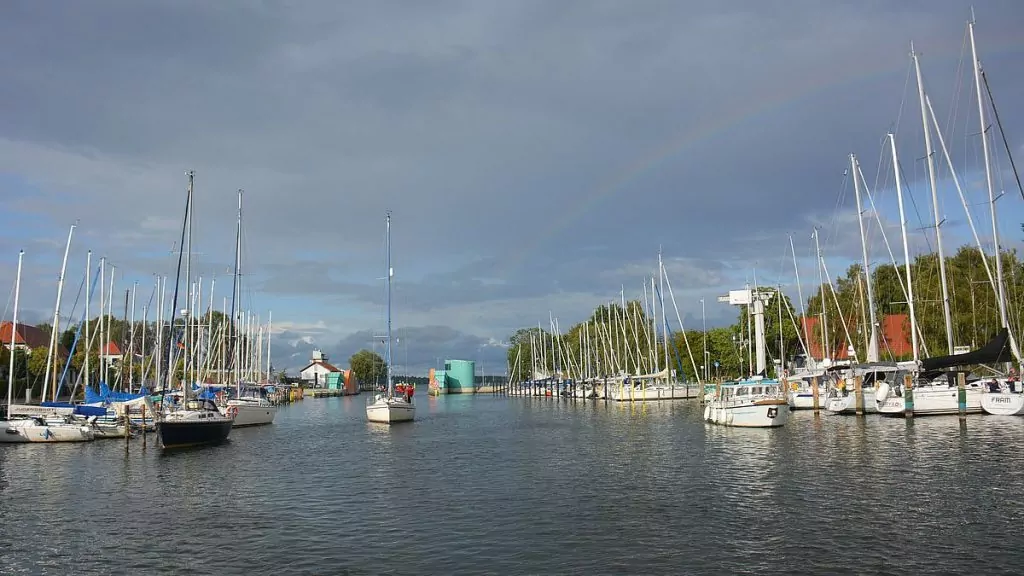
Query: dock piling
pixel 961 395
pixel 908 396
pixel 858 391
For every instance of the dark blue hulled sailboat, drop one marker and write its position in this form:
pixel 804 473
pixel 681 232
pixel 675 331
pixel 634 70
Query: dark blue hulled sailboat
pixel 191 421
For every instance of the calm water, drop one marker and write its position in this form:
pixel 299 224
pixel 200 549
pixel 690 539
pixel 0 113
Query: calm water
pixel 488 485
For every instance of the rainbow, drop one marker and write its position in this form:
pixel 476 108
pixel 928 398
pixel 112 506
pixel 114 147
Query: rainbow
pixel 721 125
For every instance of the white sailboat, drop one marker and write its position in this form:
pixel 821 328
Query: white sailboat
pixel 33 428
pixel 1005 397
pixel 249 407
pixel 387 408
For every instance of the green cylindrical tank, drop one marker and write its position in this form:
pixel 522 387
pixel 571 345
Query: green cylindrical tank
pixel 459 376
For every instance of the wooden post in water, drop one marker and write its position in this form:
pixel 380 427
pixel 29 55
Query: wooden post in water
pixel 961 395
pixel 143 426
pixel 814 392
pixel 908 396
pixel 858 391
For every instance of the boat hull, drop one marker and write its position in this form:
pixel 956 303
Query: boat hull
pixel 747 415
pixel 804 400
pixel 655 393
pixel 848 404
pixel 390 411
pixel 185 433
pixel 250 414
pixel 25 431
pixel 929 401
pixel 1003 403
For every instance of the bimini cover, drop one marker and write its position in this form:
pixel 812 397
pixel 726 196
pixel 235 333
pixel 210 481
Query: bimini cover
pixel 997 350
pixel 107 395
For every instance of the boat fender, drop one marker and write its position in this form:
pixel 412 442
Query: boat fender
pixel 883 392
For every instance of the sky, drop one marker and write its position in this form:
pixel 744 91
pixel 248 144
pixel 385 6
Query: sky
pixel 535 155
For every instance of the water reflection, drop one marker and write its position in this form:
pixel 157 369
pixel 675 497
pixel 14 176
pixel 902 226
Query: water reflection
pixel 526 485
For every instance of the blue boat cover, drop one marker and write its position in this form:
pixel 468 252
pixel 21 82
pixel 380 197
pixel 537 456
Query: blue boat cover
pixel 107 395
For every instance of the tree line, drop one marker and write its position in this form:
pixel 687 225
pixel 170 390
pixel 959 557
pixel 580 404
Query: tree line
pixel 617 337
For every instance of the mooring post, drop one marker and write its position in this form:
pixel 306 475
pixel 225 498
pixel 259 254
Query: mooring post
pixel 814 392
pixel 961 394
pixel 908 396
pixel 858 391
pixel 143 426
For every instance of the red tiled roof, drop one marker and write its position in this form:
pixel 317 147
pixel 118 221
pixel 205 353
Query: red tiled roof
pixel 30 337
pixel 111 349
pixel 26 335
pixel 894 337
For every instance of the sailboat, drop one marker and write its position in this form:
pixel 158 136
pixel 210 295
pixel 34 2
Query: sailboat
pixel 387 407
pixel 249 407
pixel 33 428
pixel 196 421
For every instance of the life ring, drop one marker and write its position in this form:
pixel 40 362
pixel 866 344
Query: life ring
pixel 794 386
pixel 232 412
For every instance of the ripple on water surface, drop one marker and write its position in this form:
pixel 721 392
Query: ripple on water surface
pixel 525 485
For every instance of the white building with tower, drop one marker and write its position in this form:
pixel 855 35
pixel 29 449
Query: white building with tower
pixel 318 369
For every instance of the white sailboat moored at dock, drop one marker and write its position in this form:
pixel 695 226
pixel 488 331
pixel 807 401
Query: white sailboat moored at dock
pixel 16 429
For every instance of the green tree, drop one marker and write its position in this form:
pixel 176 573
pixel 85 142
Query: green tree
pixel 37 362
pixel 521 353
pixel 67 338
pixel 368 366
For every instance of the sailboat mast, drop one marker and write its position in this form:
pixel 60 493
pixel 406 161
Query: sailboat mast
pixel 873 337
pixel 177 283
pixel 782 340
pixel 51 357
pixel 825 351
pixel 191 302
pixel 131 342
pixel 99 320
pixel 930 159
pixel 14 334
pixel 234 298
pixel 110 320
pixel 88 293
pixel 906 246
pixel 991 189
pixel 664 321
pixel 162 284
pixel 800 296
pixel 270 326
pixel 387 366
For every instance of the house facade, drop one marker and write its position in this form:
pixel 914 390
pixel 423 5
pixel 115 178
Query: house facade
pixel 27 338
pixel 318 370
pixel 893 338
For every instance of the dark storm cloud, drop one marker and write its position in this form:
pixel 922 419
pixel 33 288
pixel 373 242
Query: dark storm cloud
pixel 536 154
